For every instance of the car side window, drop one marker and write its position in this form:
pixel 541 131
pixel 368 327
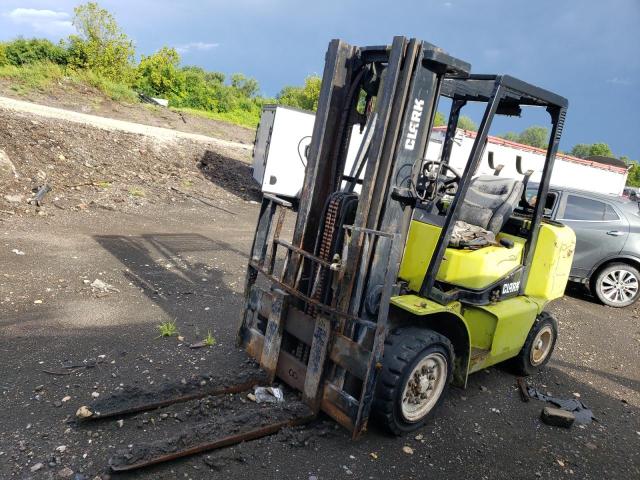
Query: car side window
pixel 586 209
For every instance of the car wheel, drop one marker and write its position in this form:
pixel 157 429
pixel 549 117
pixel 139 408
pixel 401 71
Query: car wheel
pixel 417 367
pixel 617 285
pixel 538 346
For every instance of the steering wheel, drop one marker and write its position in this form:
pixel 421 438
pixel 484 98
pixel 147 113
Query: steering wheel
pixel 427 168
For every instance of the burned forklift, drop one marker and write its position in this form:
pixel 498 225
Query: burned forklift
pixel 402 275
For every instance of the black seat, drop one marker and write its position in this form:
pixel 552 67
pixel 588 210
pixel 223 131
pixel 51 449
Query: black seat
pixel 490 201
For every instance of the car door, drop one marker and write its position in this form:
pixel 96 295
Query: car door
pixel 600 228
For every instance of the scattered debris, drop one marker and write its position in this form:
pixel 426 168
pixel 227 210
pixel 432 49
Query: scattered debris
pixel 557 417
pixel 40 194
pixel 36 467
pixel 407 449
pixel 102 287
pixel 37 302
pixel 84 412
pixel 523 389
pixel 120 423
pixel 17 252
pixel 374 455
pixel 66 399
pixel 95 394
pixel 581 412
pixel 268 394
pixel 200 344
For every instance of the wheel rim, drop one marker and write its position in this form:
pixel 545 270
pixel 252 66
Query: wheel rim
pixel 425 384
pixel 541 345
pixel 619 286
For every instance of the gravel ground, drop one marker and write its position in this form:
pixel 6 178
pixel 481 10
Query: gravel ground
pixel 174 258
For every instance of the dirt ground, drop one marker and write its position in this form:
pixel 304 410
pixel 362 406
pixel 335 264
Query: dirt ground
pixel 169 256
pixel 86 99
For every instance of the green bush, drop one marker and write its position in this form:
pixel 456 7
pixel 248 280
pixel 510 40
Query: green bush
pixel 35 50
pixel 159 74
pixel 3 55
pixel 305 97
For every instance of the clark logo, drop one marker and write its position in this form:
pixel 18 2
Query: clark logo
pixel 414 124
pixel 510 287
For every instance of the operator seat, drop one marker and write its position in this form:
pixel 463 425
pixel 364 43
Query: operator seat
pixel 489 202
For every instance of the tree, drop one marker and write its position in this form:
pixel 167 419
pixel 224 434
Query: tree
pixel 100 44
pixel 467 123
pixel 584 150
pixel 439 120
pixel 600 149
pixel 246 86
pixel 305 97
pixel 511 136
pixel 535 136
pixel 159 74
pixel 633 179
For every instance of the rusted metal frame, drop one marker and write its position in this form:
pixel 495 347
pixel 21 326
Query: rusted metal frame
pixel 343 351
pixel 374 365
pixel 307 255
pixel 317 183
pixel 273 334
pixel 215 444
pixel 377 233
pixel 276 237
pixel 201 393
pixel 321 306
pixel 258 251
pixel 384 107
pixel 339 405
pixel 322 334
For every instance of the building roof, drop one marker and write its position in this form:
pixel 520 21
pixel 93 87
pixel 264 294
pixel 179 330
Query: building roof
pixel 604 163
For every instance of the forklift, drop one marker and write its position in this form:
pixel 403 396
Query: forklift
pixel 386 296
pixel 402 276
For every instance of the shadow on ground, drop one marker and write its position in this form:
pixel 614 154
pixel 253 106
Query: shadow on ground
pixel 232 175
pixel 173 268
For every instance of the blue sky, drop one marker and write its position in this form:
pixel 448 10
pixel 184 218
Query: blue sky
pixel 585 50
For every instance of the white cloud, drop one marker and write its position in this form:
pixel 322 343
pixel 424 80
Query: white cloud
pixel 619 81
pixel 448 4
pixel 45 21
pixel 200 46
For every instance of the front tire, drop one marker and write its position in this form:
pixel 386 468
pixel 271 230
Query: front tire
pixel 538 346
pixel 617 285
pixel 417 367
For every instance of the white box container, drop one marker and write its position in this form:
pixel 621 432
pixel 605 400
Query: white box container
pixel 279 158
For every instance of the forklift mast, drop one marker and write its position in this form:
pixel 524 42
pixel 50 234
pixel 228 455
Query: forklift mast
pixel 321 322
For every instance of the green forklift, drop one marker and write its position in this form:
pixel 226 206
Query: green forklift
pixel 404 275
pixel 399 276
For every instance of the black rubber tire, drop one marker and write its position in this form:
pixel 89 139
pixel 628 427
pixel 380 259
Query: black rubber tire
pixel 404 348
pixel 522 363
pixel 596 284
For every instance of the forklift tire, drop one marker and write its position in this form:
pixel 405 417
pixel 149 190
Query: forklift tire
pixel 417 367
pixel 538 346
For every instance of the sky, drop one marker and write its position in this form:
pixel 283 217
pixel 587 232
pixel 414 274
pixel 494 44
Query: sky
pixel 585 50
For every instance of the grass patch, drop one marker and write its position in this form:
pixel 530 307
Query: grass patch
pixel 136 192
pixel 116 91
pixel 41 76
pixel 240 117
pixel 209 340
pixel 103 184
pixel 36 76
pixel 168 329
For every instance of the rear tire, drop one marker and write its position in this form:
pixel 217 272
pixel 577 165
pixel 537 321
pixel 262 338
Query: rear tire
pixel 617 285
pixel 538 346
pixel 417 367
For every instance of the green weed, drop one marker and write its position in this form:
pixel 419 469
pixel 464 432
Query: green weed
pixel 210 340
pixel 168 329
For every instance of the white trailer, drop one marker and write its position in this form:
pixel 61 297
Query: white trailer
pixel 284 133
